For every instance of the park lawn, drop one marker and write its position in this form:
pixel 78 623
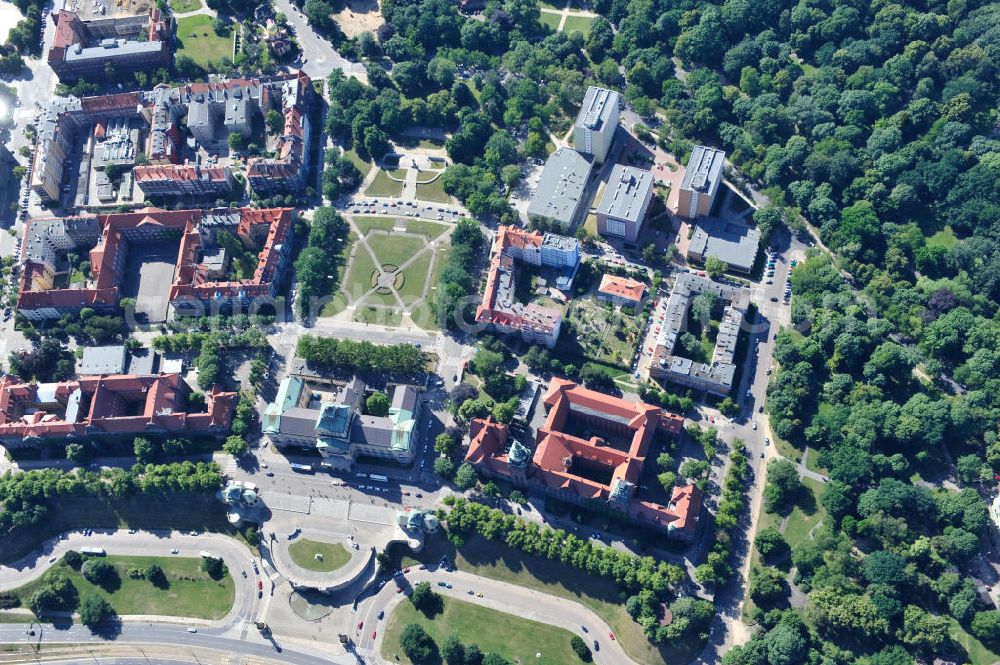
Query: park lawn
pixel 806 514
pixel 189 591
pixel 430 229
pixel 551 20
pixel 433 191
pixel 339 300
pixel 395 249
pixel 382 185
pixel 358 280
pixel 199 41
pixel 516 639
pixel 944 238
pixel 380 300
pixel 363 164
pixel 590 225
pixel 786 449
pixel 499 562
pixel 415 277
pixel 382 316
pixel 812 462
pixel 303 552
pixel 184 6
pixel 578 23
pixel 978 653
pixel 367 224
pixel 423 314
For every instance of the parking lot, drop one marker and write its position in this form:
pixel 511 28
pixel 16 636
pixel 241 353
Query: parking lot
pixel 441 213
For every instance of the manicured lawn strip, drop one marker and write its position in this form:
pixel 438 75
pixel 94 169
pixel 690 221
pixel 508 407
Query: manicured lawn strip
pixel 379 315
pixel 189 592
pixel 806 514
pixel 430 229
pixel 382 185
pixel 199 41
pixel 363 165
pixel 812 462
pixel 514 638
pixel 303 552
pixel 499 562
pixel 550 19
pixel 580 23
pixel 979 653
pixel 380 300
pixel 184 6
pixel 367 224
pixel 433 191
pixel 394 249
pixel 359 275
pixel 414 277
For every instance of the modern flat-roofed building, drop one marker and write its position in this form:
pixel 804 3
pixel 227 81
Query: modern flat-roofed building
pixel 621 290
pixel 597 122
pixel 622 209
pixel 334 423
pixel 701 182
pixel 732 242
pixel 717 376
pixel 591 449
pixel 95 407
pixel 558 199
pixel 534 323
pixel 103 360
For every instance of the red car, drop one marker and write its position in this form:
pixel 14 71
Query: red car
pixel 260 585
pixel 612 636
pixel 360 624
pixel 373 634
pixel 399 589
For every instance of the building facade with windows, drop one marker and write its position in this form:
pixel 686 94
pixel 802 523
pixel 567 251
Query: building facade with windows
pixel 624 204
pixel 596 124
pixel 701 182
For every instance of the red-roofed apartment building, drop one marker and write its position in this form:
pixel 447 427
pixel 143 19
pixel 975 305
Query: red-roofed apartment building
pixel 591 448
pixel 200 272
pixel 104 406
pixel 621 290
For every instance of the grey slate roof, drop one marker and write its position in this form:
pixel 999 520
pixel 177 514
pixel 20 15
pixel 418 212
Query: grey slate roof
pixel 626 192
pixel 704 170
pixel 561 186
pixel 598 108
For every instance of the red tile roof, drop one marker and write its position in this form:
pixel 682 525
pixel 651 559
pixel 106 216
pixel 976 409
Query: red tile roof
pixel 622 287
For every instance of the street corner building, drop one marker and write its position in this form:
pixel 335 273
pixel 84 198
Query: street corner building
pixel 329 417
pixel 95 407
pixel 97 35
pixel 591 450
pixel 536 324
pixel 167 260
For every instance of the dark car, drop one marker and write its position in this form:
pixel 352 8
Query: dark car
pixel 597 645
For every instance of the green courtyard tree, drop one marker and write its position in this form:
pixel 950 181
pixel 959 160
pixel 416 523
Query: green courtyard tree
pixel 424 598
pixel 75 452
pixel 377 404
pixel 235 446
pixel 444 467
pixel 99 572
pixel 715 267
pixel 466 477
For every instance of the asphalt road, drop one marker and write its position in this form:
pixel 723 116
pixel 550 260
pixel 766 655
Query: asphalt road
pixel 500 596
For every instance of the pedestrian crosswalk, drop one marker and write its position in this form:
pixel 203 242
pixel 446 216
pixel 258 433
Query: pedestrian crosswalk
pixel 367 655
pixel 229 467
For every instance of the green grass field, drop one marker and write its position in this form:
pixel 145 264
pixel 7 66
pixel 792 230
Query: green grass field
pixel 368 313
pixel 516 639
pixel 578 23
pixel 394 249
pixel 550 19
pixel 199 41
pixel 979 653
pixel 430 229
pixel 363 165
pixel 433 191
pixel 184 6
pixel 188 592
pixel 806 514
pixel 303 552
pixel 944 238
pixel 368 224
pixel 382 185
pixel 499 562
pixel 357 282
pixel 414 277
